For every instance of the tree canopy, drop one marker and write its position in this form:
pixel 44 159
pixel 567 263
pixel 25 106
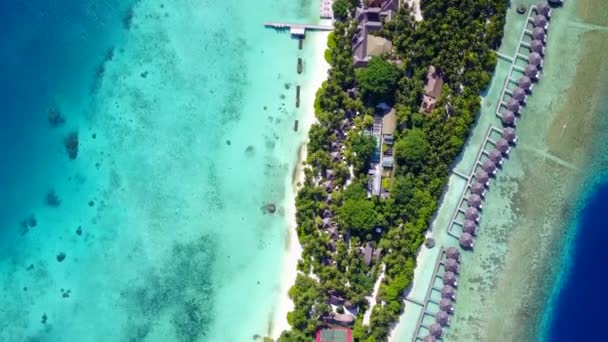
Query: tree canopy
pixel 412 151
pixel 378 82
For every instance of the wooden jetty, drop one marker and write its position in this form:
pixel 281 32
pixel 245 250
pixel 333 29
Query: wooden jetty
pixel 298 30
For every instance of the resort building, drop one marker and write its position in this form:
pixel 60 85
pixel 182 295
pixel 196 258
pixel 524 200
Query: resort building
pixel 432 90
pixel 370 18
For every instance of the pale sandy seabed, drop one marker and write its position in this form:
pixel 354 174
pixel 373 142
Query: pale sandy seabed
pixel 506 281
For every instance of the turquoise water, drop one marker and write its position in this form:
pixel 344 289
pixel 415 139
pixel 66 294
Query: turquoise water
pixel 184 134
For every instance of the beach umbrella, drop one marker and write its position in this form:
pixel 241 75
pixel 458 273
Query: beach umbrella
pixel 435 330
pixel 495 156
pixel 539 34
pixel 451 265
pixel 466 240
pixel 544 9
pixel 469 226
pixel 519 95
pixel 535 59
pixel 502 145
pixel 452 253
pixel 471 214
pixel 540 21
pixel 446 305
pixel 448 292
pixel 442 318
pixel 429 338
pixel 531 71
pixel 475 201
pixel 537 46
pixel 478 188
pixel 510 135
pixel 525 83
pixel 449 278
pixel 489 167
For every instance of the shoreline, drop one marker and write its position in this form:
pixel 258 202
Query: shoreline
pixel 293 249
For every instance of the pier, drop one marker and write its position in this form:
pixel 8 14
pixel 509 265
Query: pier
pixel 297 30
pixel 488 143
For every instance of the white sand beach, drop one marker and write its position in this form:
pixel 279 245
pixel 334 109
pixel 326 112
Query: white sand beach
pixel 293 249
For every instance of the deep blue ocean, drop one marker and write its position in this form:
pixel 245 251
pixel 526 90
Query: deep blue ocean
pixel 578 312
pixel 51 54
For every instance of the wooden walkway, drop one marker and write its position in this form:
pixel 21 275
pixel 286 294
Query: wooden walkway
pixel 469 177
pixel 428 299
pixel 513 60
pixel 297 29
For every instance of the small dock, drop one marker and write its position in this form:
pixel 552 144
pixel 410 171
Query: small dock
pixel 298 30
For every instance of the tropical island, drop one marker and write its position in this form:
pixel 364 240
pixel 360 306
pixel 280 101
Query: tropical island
pixel 394 113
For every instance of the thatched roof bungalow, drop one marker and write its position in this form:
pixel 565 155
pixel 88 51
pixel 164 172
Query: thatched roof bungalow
pixel 489 167
pixel 469 226
pixel 466 240
pixel 471 214
pixel 510 135
pixel 442 318
pixel 478 188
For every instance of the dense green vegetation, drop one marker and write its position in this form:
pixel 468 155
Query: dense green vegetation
pixel 457 37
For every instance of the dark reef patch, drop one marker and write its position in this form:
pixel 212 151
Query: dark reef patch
pixel 180 291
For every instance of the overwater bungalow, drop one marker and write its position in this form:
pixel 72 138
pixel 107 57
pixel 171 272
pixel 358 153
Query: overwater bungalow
pixel 435 330
pixel 442 318
pixel 452 253
pixel 469 226
pixel 478 188
pixel 448 292
pixel 471 214
pixel 532 72
pixel 475 201
pixel 535 59
pixel 502 145
pixel 489 167
pixel 537 46
pixel 482 177
pixel 544 9
pixel 525 83
pixel 510 135
pixel 519 95
pixel 466 240
pixel 508 118
pixel 449 278
pixel 541 21
pixel 429 338
pixel 496 156
pixel 539 33
pixel 446 305
pixel 513 105
pixel 451 265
